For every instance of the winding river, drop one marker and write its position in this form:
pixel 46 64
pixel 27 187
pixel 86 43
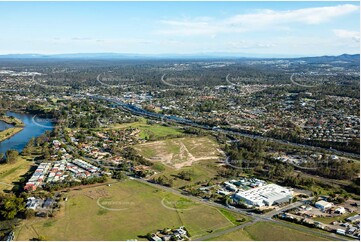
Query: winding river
pixel 31 129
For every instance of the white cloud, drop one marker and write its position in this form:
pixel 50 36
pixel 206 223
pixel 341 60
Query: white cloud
pixel 347 34
pixel 243 44
pixel 255 21
pixel 305 15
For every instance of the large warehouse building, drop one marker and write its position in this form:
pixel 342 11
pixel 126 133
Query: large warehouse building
pixel 267 195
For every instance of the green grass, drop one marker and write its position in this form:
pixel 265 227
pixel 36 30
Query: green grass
pixel 157 131
pixel 48 224
pixel 137 210
pixel 201 171
pixel 158 167
pixel 7 133
pixel 10 173
pixel 154 131
pixel 238 235
pixel 268 231
pixel 235 218
pixel 12 120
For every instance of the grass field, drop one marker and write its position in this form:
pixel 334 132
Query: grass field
pixel 147 131
pixel 7 133
pixel 123 211
pixel 239 235
pixel 268 231
pixel 201 171
pixel 10 173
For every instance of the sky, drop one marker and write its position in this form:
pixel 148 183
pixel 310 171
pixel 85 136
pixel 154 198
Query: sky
pixel 259 28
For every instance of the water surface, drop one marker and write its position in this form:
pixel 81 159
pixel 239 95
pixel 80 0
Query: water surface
pixel 31 129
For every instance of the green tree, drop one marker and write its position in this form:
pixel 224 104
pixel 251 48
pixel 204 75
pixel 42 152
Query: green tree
pixel 11 156
pixel 10 206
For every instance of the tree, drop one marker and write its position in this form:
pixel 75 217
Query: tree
pixel 119 175
pixel 29 213
pixel 186 175
pixel 10 206
pixel 11 156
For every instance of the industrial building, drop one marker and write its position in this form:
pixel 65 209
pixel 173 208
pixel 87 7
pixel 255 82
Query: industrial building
pixel 323 205
pixel 266 195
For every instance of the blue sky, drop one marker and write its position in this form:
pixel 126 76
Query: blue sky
pixel 269 28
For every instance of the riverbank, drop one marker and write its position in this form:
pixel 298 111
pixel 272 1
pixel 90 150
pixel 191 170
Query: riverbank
pixel 12 120
pixel 17 139
pixel 8 133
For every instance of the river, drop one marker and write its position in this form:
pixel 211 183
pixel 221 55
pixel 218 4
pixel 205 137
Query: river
pixel 31 129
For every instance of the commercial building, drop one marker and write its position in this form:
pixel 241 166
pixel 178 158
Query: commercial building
pixel 266 195
pixel 323 205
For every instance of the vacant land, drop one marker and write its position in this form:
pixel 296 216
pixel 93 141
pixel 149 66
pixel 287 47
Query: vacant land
pixel 123 211
pixel 199 172
pixel 238 235
pixel 180 152
pixel 268 231
pixel 150 131
pixel 10 173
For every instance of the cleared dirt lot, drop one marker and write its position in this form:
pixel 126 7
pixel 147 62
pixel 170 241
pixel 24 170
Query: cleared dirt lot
pixel 180 152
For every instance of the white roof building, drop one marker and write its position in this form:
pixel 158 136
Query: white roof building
pixel 323 205
pixel 266 195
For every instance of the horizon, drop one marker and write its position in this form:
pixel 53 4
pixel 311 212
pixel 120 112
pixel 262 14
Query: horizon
pixel 125 56
pixel 259 29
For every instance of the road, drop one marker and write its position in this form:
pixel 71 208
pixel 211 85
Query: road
pixel 224 232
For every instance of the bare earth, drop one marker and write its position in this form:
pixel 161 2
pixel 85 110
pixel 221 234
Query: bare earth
pixel 181 152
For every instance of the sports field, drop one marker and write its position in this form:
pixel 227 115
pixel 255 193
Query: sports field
pixel 123 211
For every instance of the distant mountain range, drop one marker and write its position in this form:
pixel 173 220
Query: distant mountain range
pixel 343 57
